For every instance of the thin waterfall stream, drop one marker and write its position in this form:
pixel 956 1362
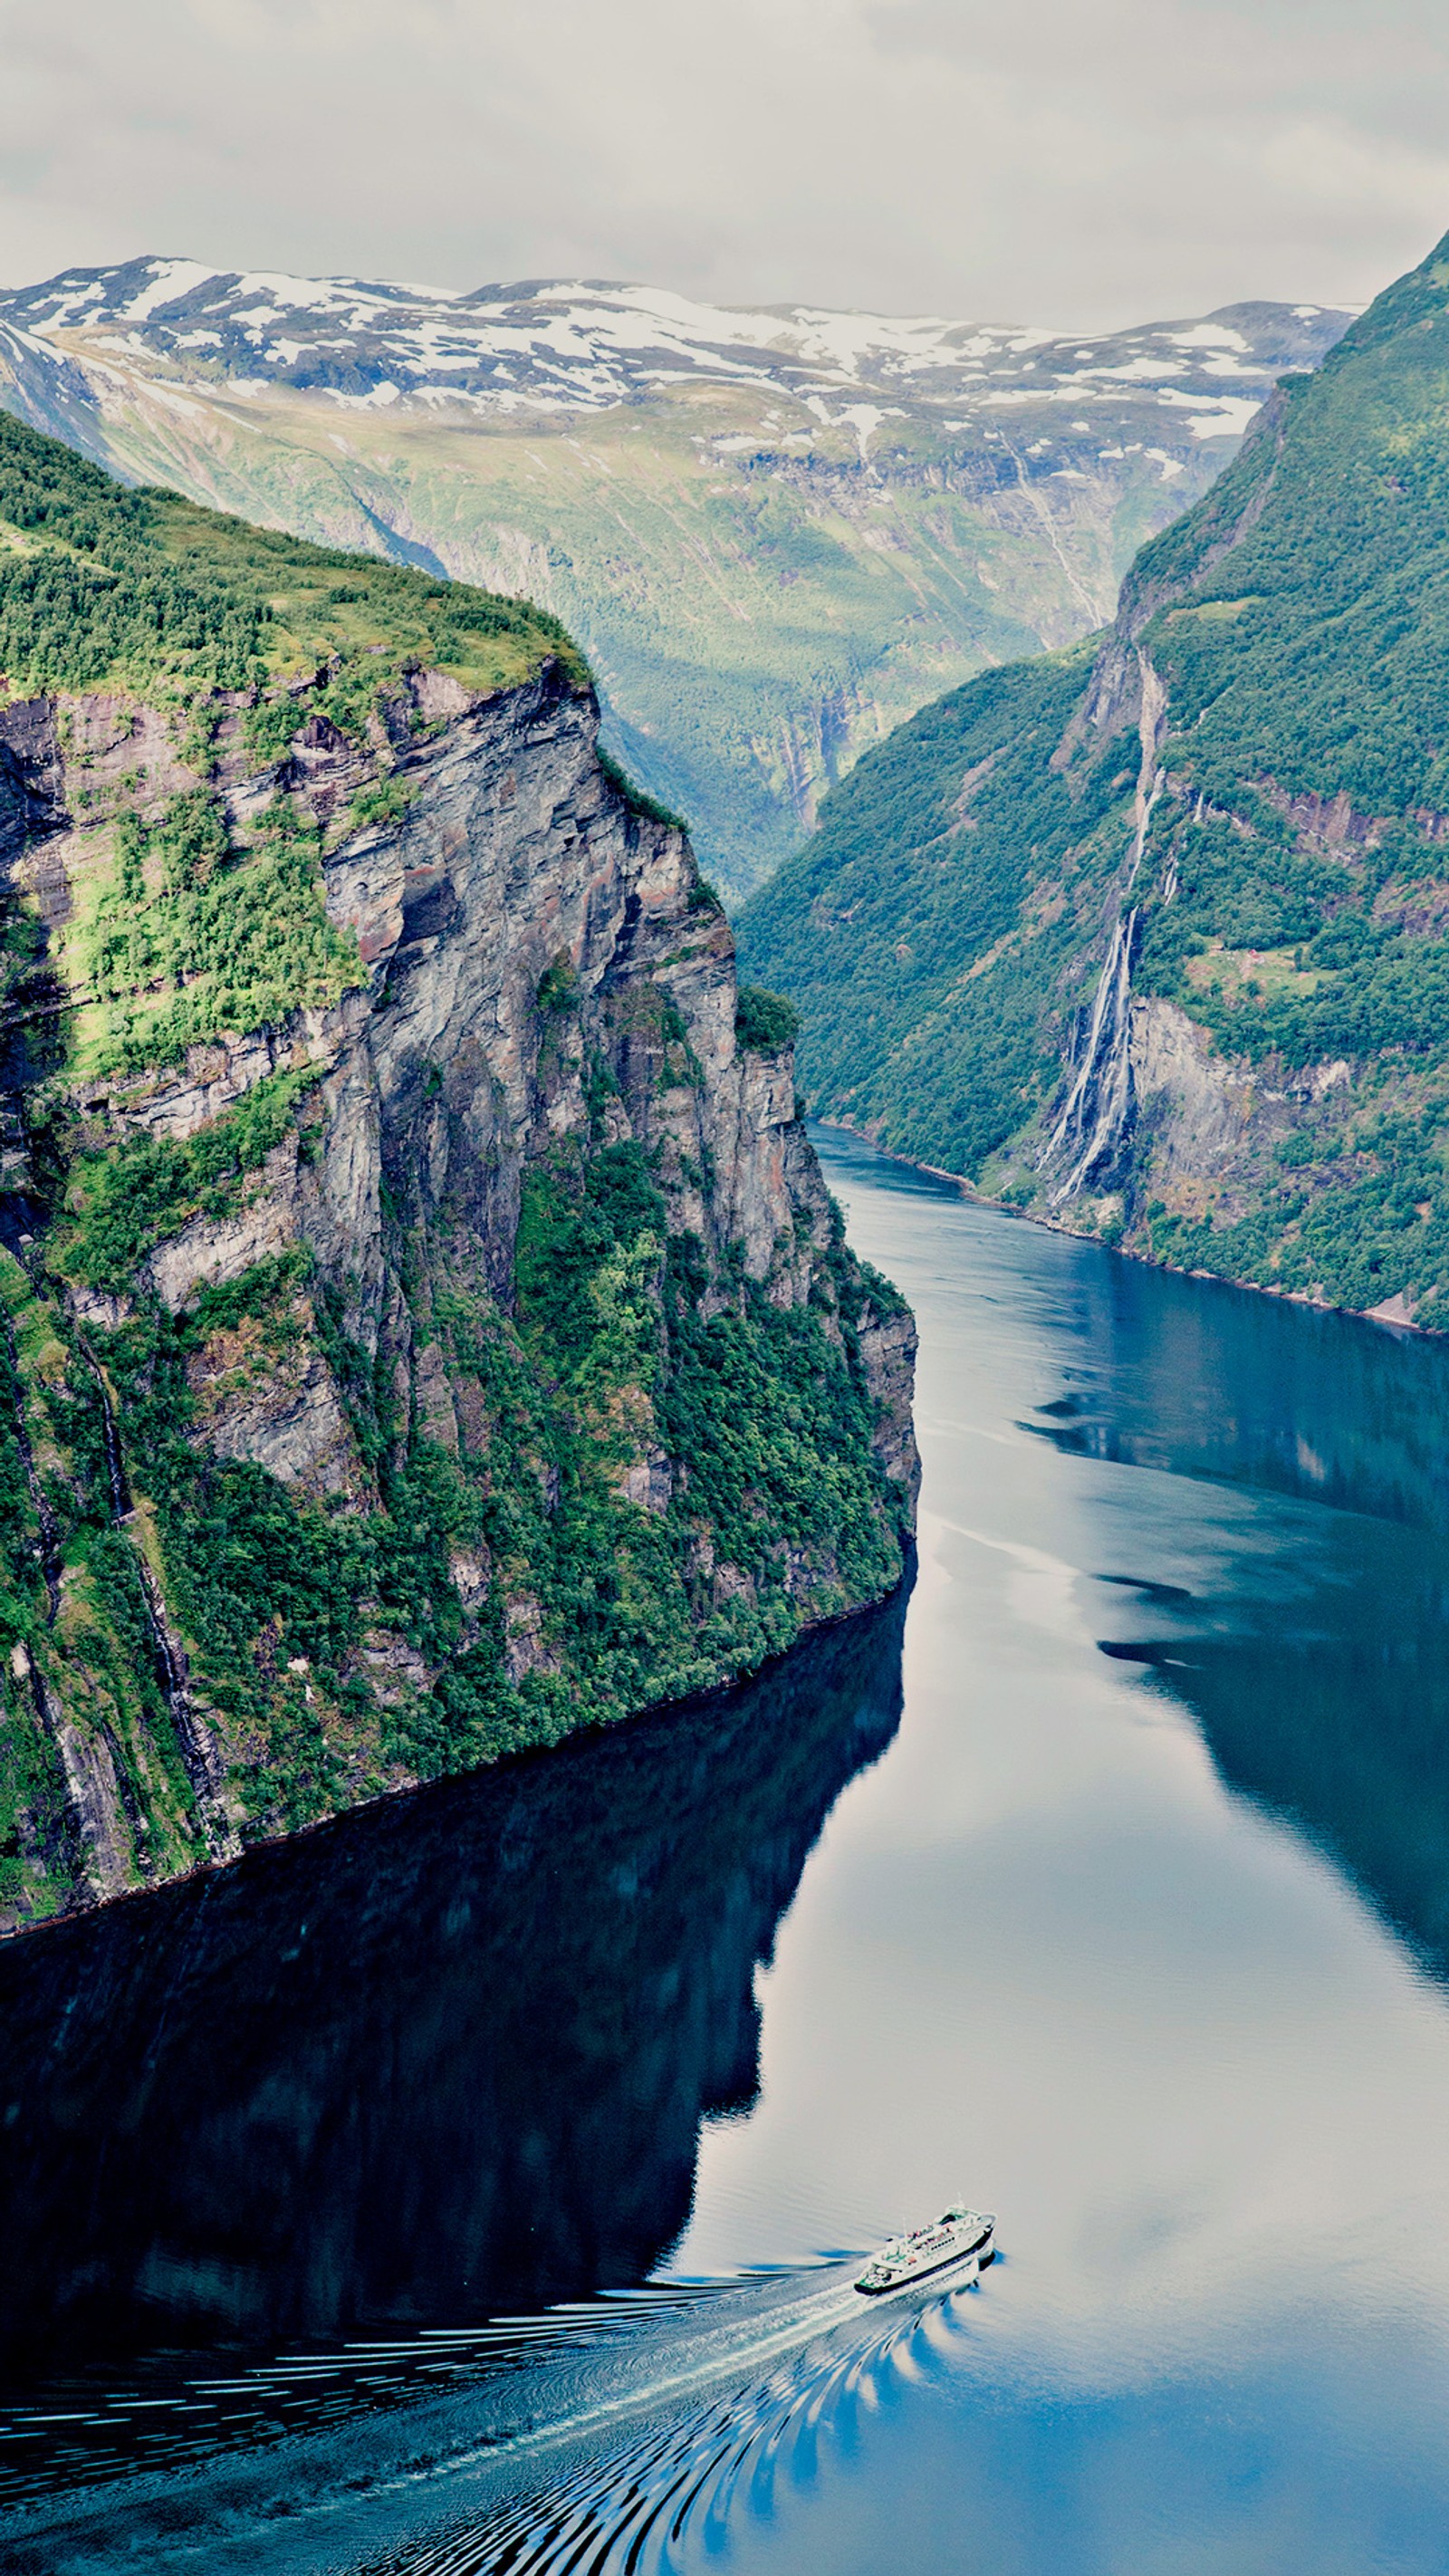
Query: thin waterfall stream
pixel 193 1737
pixel 1096 1114
pixel 115 1471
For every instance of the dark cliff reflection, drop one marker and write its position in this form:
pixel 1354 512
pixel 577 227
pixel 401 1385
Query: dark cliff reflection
pixel 1320 1678
pixel 441 2058
pixel 1334 1711
pixel 1203 1379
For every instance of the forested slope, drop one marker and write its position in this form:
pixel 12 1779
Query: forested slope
pixel 1155 937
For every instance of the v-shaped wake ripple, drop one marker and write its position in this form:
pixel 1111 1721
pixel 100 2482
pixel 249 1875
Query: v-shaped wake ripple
pixel 664 2502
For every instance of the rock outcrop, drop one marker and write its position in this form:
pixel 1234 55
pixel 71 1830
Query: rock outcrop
pixel 460 1349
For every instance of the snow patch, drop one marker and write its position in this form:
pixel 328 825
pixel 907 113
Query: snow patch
pixel 170 278
pixel 1228 418
pixel 864 418
pixel 568 345
pixel 1207 335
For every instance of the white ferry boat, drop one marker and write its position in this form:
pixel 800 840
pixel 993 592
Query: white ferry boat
pixel 958 2236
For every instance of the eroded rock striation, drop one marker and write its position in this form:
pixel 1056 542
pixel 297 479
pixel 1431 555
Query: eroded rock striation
pixel 425 1326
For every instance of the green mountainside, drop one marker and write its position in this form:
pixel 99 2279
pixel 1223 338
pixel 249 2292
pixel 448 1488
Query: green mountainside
pixel 423 1328
pixel 1153 936
pixel 146 589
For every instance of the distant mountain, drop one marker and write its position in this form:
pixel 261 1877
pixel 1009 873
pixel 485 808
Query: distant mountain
pixel 1152 935
pixel 775 532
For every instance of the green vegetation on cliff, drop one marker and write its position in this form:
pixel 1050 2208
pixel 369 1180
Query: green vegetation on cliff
pixel 290 1605
pixel 944 930
pixel 906 932
pixel 98 584
pixel 128 1197
pixel 370 1406
pixel 197 934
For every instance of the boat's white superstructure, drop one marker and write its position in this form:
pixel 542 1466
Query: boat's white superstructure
pixel 960 2235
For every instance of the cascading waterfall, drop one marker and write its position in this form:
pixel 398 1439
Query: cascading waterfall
pixel 115 1473
pixel 193 1736
pixel 1095 1110
pixel 39 1503
pixel 1095 1114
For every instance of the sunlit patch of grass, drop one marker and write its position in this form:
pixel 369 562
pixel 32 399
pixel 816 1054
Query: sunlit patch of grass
pixel 1240 974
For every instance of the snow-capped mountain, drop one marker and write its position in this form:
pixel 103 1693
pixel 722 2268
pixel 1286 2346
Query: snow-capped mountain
pixel 776 531
pixel 556 346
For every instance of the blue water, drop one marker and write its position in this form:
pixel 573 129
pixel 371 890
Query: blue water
pixel 1113 1894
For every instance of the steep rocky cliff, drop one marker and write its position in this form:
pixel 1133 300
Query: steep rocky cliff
pixel 424 1325
pixel 1152 937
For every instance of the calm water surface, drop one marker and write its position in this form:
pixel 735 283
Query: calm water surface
pixel 464 2187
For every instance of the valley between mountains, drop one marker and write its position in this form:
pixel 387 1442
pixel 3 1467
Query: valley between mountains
pixel 774 533
pixel 425 1329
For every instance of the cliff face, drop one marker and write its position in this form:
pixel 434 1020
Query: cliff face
pixel 1153 938
pixel 425 1327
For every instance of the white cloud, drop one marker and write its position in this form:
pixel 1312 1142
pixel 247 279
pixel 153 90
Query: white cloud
pixel 1078 167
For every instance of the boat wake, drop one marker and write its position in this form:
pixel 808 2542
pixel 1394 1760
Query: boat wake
pixel 620 2434
pixel 665 2501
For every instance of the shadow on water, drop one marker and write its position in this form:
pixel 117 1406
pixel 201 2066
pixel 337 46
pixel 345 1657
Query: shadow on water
pixel 1333 1712
pixel 1319 1677
pixel 441 2058
pixel 1202 1379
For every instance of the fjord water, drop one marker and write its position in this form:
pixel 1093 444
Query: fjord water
pixel 1106 1882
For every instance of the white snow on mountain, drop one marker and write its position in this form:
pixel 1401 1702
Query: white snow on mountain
pixel 567 346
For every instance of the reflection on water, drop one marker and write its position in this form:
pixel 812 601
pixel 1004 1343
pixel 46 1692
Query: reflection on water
pixel 1323 1690
pixel 1202 1379
pixel 441 2058
pixel 1139 1934
pixel 1331 1706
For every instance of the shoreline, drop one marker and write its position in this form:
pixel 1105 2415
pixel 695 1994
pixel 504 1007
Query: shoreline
pixel 592 1731
pixel 1126 1252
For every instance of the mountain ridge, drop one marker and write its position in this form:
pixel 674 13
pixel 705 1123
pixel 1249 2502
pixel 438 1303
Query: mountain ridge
pixel 774 531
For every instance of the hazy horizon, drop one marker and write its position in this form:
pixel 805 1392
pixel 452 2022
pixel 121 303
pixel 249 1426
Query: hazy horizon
pixel 898 156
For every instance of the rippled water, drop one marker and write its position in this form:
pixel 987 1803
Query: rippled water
pixel 1133 1926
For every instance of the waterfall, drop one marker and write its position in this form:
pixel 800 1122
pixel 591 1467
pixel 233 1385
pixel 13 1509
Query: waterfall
pixel 1094 1112
pixel 195 1742
pixel 1094 1116
pixel 45 1517
pixel 115 1473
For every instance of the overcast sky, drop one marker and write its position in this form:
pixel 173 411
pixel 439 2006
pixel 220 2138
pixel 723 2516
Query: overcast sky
pixel 1071 162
